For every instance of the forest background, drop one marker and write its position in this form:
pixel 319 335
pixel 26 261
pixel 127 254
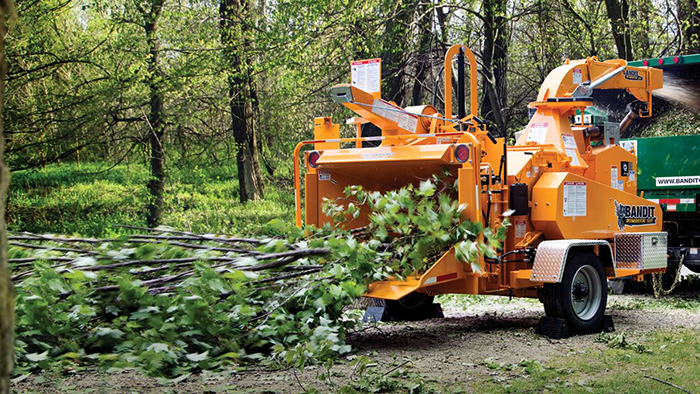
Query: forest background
pixel 174 111
pixel 186 113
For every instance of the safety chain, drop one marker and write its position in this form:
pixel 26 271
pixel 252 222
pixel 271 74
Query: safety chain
pixel 658 285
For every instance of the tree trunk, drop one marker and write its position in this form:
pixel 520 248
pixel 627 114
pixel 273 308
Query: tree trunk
pixel 494 56
pixel 7 299
pixel 396 41
pixel 422 58
pixel 689 15
pixel 643 13
pixel 156 117
pixel 236 18
pixel 618 14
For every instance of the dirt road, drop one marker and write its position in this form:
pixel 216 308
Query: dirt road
pixel 478 340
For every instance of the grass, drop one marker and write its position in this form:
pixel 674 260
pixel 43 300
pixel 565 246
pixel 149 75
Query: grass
pixel 646 302
pixel 671 356
pixel 619 362
pixel 84 199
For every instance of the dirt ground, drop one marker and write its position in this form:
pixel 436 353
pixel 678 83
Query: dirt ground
pixel 454 349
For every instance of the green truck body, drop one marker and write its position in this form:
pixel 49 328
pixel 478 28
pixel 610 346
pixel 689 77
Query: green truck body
pixel 668 170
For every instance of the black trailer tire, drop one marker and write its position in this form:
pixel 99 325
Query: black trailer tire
pixel 414 306
pixel 581 296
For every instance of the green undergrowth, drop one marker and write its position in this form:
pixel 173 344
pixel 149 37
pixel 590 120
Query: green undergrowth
pixel 677 121
pixel 171 308
pixel 91 199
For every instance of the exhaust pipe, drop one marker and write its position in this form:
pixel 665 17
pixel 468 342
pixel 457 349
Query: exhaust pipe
pixel 627 121
pixel 633 110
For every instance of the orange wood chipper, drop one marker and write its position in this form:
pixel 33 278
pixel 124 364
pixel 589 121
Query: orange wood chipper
pixel 570 190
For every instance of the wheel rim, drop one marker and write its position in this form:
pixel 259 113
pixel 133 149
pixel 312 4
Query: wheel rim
pixel 586 292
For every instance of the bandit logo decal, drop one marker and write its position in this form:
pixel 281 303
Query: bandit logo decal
pixel 634 215
pixel 632 75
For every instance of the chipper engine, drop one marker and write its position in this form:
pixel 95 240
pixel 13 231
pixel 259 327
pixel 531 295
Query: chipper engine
pixel 569 190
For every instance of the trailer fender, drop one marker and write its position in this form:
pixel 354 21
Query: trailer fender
pixel 551 257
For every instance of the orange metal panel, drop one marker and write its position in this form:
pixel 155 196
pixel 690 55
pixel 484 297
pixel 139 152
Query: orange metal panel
pixel 468 193
pixel 521 279
pixel 606 167
pixel 325 129
pixel 625 272
pixel 600 220
pixel 384 154
pixel 311 202
pixel 392 290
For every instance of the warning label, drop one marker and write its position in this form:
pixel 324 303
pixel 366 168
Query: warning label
pixel 574 199
pixel 520 228
pixel 408 121
pixel 403 119
pixel 385 110
pixel 538 132
pixel 367 75
pixel 577 76
pixel 324 176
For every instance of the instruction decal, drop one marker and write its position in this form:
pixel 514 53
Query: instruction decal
pixel 634 215
pixel 324 176
pixel 538 132
pixel 575 199
pixel 367 75
pixel 571 148
pixel 613 176
pixel 403 118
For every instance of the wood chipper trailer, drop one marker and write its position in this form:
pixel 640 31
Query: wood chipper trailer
pixel 576 218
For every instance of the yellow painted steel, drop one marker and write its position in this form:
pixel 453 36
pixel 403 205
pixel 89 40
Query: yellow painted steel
pixel 325 129
pixel 473 80
pixel 550 157
pixel 600 220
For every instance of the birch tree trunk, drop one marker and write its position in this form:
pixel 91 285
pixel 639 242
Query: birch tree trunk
pixel 156 117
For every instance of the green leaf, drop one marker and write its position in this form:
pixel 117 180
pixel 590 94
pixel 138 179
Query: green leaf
pixel 427 188
pixel 158 348
pixel 198 357
pixel 36 357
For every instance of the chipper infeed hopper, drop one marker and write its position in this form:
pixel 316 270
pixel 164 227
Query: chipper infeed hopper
pixel 575 215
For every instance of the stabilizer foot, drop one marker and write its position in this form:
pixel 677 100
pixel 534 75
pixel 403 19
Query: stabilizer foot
pixel 607 324
pixel 375 314
pixel 552 327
